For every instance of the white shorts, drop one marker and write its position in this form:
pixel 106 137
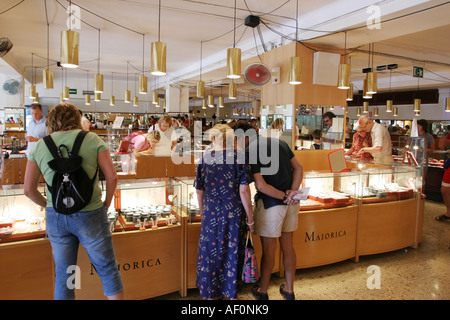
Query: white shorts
pixel 273 221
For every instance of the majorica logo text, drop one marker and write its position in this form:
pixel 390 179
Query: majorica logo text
pixel 135 265
pixel 324 236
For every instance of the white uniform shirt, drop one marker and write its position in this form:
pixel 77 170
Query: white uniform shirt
pixel 381 138
pixel 37 130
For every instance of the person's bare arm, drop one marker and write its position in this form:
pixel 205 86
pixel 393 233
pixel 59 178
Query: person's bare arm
pixel 244 192
pixel 107 167
pixel 32 176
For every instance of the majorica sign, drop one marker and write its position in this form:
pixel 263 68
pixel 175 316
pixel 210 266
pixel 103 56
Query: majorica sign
pixel 313 236
pixel 134 265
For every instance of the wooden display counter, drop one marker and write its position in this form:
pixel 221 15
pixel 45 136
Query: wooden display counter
pixel 164 166
pixel 149 262
pixel 325 236
pixel 389 226
pixel 26 270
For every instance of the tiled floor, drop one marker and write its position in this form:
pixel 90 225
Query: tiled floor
pixel 406 274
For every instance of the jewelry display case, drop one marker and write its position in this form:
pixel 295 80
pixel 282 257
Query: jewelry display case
pixel 20 218
pixel 123 159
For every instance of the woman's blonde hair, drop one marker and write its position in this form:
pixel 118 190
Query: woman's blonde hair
pixel 153 135
pixel 63 117
pixel 278 123
pixel 222 132
pixel 167 119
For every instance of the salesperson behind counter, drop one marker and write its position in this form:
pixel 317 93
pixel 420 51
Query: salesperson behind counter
pixel 381 149
pixel 168 140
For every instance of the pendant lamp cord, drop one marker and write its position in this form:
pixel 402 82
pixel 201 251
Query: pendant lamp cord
pixel 234 27
pixel 159 22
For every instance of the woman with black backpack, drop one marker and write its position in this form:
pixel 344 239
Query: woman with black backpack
pixel 89 225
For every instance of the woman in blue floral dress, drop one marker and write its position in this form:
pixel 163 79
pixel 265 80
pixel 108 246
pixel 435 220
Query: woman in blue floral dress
pixel 221 182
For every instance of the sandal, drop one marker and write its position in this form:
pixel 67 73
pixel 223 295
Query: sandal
pixel 442 217
pixel 259 295
pixel 286 295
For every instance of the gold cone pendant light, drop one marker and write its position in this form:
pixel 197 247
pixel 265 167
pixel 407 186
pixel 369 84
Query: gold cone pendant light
pixel 395 111
pixel 158 59
pixel 32 92
pixel 232 91
pixel 47 78
pixel 155 97
pixel 200 89
pixel 375 112
pixel 295 70
pixel 66 93
pixel 98 84
pixel 98 96
pixel 210 101
pixel 143 81
pixel 69 48
pixel 366 95
pixel 344 76
pixel 417 105
pixel 87 100
pixel 358 112
pixel 233 63
pixel 372 86
pixel 203 103
pixel 112 101
pixel 350 93
pixel 447 104
pixel 234 55
pixel 389 104
pixel 135 101
pixel 127 96
pixel 366 107
pixel 221 102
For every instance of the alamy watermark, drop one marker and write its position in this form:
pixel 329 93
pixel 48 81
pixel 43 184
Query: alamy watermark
pixel 374 20
pixel 374 280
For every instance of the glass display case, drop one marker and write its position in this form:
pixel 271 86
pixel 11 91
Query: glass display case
pixel 123 159
pixel 330 190
pixel 411 150
pixel 146 204
pixel 20 218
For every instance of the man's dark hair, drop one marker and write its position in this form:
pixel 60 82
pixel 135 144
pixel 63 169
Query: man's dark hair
pixel 36 106
pixel 328 114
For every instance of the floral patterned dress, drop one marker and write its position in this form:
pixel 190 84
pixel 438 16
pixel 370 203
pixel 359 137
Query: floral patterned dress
pixel 360 142
pixel 221 244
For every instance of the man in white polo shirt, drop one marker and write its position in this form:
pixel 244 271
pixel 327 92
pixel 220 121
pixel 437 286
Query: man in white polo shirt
pixel 36 128
pixel 381 149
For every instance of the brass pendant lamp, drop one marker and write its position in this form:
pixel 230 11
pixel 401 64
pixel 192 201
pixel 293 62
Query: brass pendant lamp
pixel 127 98
pixel 158 58
pixel 87 97
pixel 234 55
pixel 344 70
pixel 200 84
pixel 32 90
pixel 47 74
pixel 143 80
pixel 375 112
pixel 389 102
pixel 371 77
pixel 366 107
pixel 112 98
pixel 447 104
pixel 98 84
pixel 70 41
pixel 232 91
pixel 295 63
pixel 350 93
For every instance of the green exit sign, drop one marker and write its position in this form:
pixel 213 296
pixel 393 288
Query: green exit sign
pixel 418 72
pixel 72 91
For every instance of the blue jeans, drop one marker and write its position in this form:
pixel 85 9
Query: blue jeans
pixel 91 229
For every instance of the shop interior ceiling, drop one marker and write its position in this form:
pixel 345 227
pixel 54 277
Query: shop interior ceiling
pixel 410 33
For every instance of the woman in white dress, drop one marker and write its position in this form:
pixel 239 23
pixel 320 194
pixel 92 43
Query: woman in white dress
pixel 168 139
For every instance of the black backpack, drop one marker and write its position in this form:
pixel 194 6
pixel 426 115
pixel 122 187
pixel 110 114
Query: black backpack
pixel 71 187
